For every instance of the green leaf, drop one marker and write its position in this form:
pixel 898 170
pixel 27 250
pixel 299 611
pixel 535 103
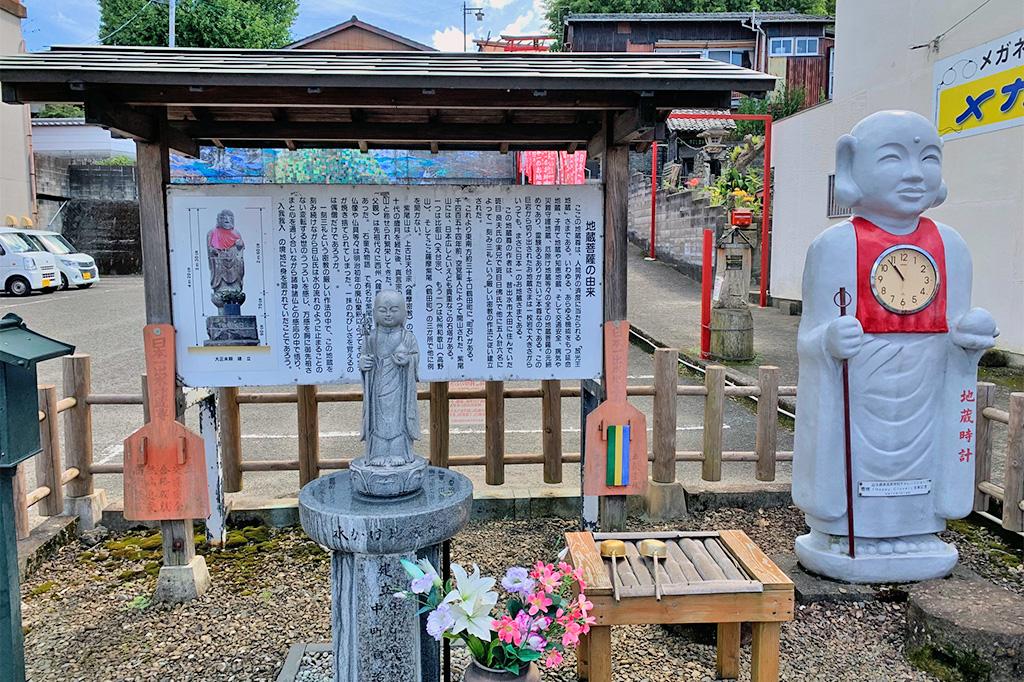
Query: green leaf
pixel 515 605
pixel 527 655
pixel 412 569
pixel 476 647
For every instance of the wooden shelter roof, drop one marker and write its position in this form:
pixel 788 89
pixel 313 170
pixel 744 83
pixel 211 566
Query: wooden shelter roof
pixel 316 98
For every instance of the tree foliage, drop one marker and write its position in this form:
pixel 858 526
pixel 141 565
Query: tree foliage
pixel 558 9
pixel 198 23
pixel 60 110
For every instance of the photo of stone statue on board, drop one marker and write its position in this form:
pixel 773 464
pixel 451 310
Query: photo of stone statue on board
pixel 389 360
pixel 226 253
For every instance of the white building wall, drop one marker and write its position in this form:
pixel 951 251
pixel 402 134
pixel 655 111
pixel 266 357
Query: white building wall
pixel 15 181
pixel 78 140
pixel 875 68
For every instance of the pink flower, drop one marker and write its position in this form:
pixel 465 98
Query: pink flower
pixel 586 622
pixel 508 630
pixel 553 659
pixel 583 605
pixel 539 602
pixel 548 578
pixel 573 630
pixel 564 567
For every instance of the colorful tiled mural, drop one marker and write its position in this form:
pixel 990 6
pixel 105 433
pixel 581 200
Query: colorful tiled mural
pixel 341 166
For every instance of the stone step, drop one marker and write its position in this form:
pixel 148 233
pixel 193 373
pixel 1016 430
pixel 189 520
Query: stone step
pixel 963 627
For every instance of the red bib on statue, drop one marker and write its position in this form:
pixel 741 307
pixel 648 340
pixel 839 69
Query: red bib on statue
pixel 901 279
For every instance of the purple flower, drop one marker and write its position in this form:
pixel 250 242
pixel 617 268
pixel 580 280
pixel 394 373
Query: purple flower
pixel 439 620
pixel 517 581
pixel 422 584
pixel 536 642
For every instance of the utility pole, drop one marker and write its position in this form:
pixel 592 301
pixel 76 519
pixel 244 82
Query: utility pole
pixel 478 12
pixel 170 19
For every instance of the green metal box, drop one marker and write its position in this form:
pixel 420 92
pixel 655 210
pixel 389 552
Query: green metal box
pixel 20 350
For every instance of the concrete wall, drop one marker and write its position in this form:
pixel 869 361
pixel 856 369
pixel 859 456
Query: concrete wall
pixel 875 68
pixel 15 171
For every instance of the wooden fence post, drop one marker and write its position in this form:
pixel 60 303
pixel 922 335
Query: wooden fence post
pixel 49 467
pixel 21 524
pixel 766 440
pixel 666 385
pixel 1013 480
pixel 714 408
pixel 439 424
pixel 551 424
pixel 494 433
pixel 77 370
pixel 983 443
pixel 229 422
pixel 309 434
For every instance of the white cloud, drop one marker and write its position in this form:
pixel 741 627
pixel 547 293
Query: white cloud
pixel 497 4
pixel 530 22
pixel 450 40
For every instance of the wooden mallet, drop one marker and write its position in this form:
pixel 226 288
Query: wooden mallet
pixel 612 549
pixel 654 549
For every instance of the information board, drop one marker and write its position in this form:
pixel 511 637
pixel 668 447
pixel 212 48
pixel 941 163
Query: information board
pixel 501 282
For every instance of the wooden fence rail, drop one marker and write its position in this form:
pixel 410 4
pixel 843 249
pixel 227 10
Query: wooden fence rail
pixel 76 479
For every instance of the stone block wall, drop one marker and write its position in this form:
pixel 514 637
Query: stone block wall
pixel 682 218
pixel 106 230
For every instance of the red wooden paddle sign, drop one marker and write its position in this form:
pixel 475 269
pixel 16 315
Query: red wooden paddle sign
pixel 615 411
pixel 164 462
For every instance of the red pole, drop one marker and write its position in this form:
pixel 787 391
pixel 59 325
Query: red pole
pixel 766 211
pixel 654 196
pixel 705 297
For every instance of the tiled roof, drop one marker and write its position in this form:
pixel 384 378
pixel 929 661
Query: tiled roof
pixel 696 125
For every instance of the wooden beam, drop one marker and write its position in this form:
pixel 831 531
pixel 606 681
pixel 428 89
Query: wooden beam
pixel 503 147
pixel 137 125
pixel 390 132
pixel 364 148
pixel 635 123
pixel 597 144
pixel 434 149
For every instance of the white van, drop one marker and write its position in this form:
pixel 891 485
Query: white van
pixel 23 268
pixel 76 268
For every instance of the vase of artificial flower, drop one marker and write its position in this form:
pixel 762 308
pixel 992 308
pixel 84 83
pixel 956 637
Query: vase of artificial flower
pixel 475 672
pixel 544 616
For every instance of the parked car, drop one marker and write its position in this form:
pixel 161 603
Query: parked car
pixel 76 268
pixel 23 267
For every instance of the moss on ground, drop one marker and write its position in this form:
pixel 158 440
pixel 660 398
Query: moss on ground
pixel 950 665
pixel 989 543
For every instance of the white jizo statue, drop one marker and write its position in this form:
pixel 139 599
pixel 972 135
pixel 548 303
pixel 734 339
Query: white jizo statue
pixel 912 343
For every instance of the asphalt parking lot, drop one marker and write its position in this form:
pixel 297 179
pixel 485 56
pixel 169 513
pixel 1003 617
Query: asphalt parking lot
pixel 106 322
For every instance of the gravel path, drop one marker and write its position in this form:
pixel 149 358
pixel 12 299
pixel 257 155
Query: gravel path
pixel 88 616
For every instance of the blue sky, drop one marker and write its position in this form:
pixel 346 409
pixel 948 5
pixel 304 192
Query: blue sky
pixel 433 22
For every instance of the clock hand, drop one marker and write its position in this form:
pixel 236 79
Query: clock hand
pixel 902 278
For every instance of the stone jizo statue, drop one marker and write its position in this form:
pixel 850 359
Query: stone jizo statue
pixel 225 250
pixel 388 361
pixel 912 342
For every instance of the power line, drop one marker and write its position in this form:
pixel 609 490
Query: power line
pixel 934 42
pixel 125 24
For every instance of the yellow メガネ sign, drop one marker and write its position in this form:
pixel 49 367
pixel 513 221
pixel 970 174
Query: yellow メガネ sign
pixel 982 89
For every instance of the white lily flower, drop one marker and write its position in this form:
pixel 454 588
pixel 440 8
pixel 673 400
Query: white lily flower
pixel 471 602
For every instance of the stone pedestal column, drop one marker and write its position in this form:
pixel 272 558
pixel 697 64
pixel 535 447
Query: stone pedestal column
pixel 377 637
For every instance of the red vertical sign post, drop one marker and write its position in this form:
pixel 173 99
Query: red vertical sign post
pixel 654 198
pixel 705 296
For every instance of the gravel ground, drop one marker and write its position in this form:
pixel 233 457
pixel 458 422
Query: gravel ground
pixel 88 616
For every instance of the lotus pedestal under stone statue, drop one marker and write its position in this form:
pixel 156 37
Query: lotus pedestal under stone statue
pixel 387 507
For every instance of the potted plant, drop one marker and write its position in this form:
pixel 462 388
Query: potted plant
pixel 232 301
pixel 542 617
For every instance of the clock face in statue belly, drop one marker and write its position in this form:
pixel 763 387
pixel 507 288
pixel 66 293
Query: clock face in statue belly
pixel 904 279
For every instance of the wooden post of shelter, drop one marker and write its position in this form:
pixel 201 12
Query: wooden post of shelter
pixel 766 440
pixel 714 409
pixel 153 168
pixel 21 522
pixel 615 176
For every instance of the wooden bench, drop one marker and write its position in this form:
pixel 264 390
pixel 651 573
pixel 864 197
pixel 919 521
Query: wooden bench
pixel 717 577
